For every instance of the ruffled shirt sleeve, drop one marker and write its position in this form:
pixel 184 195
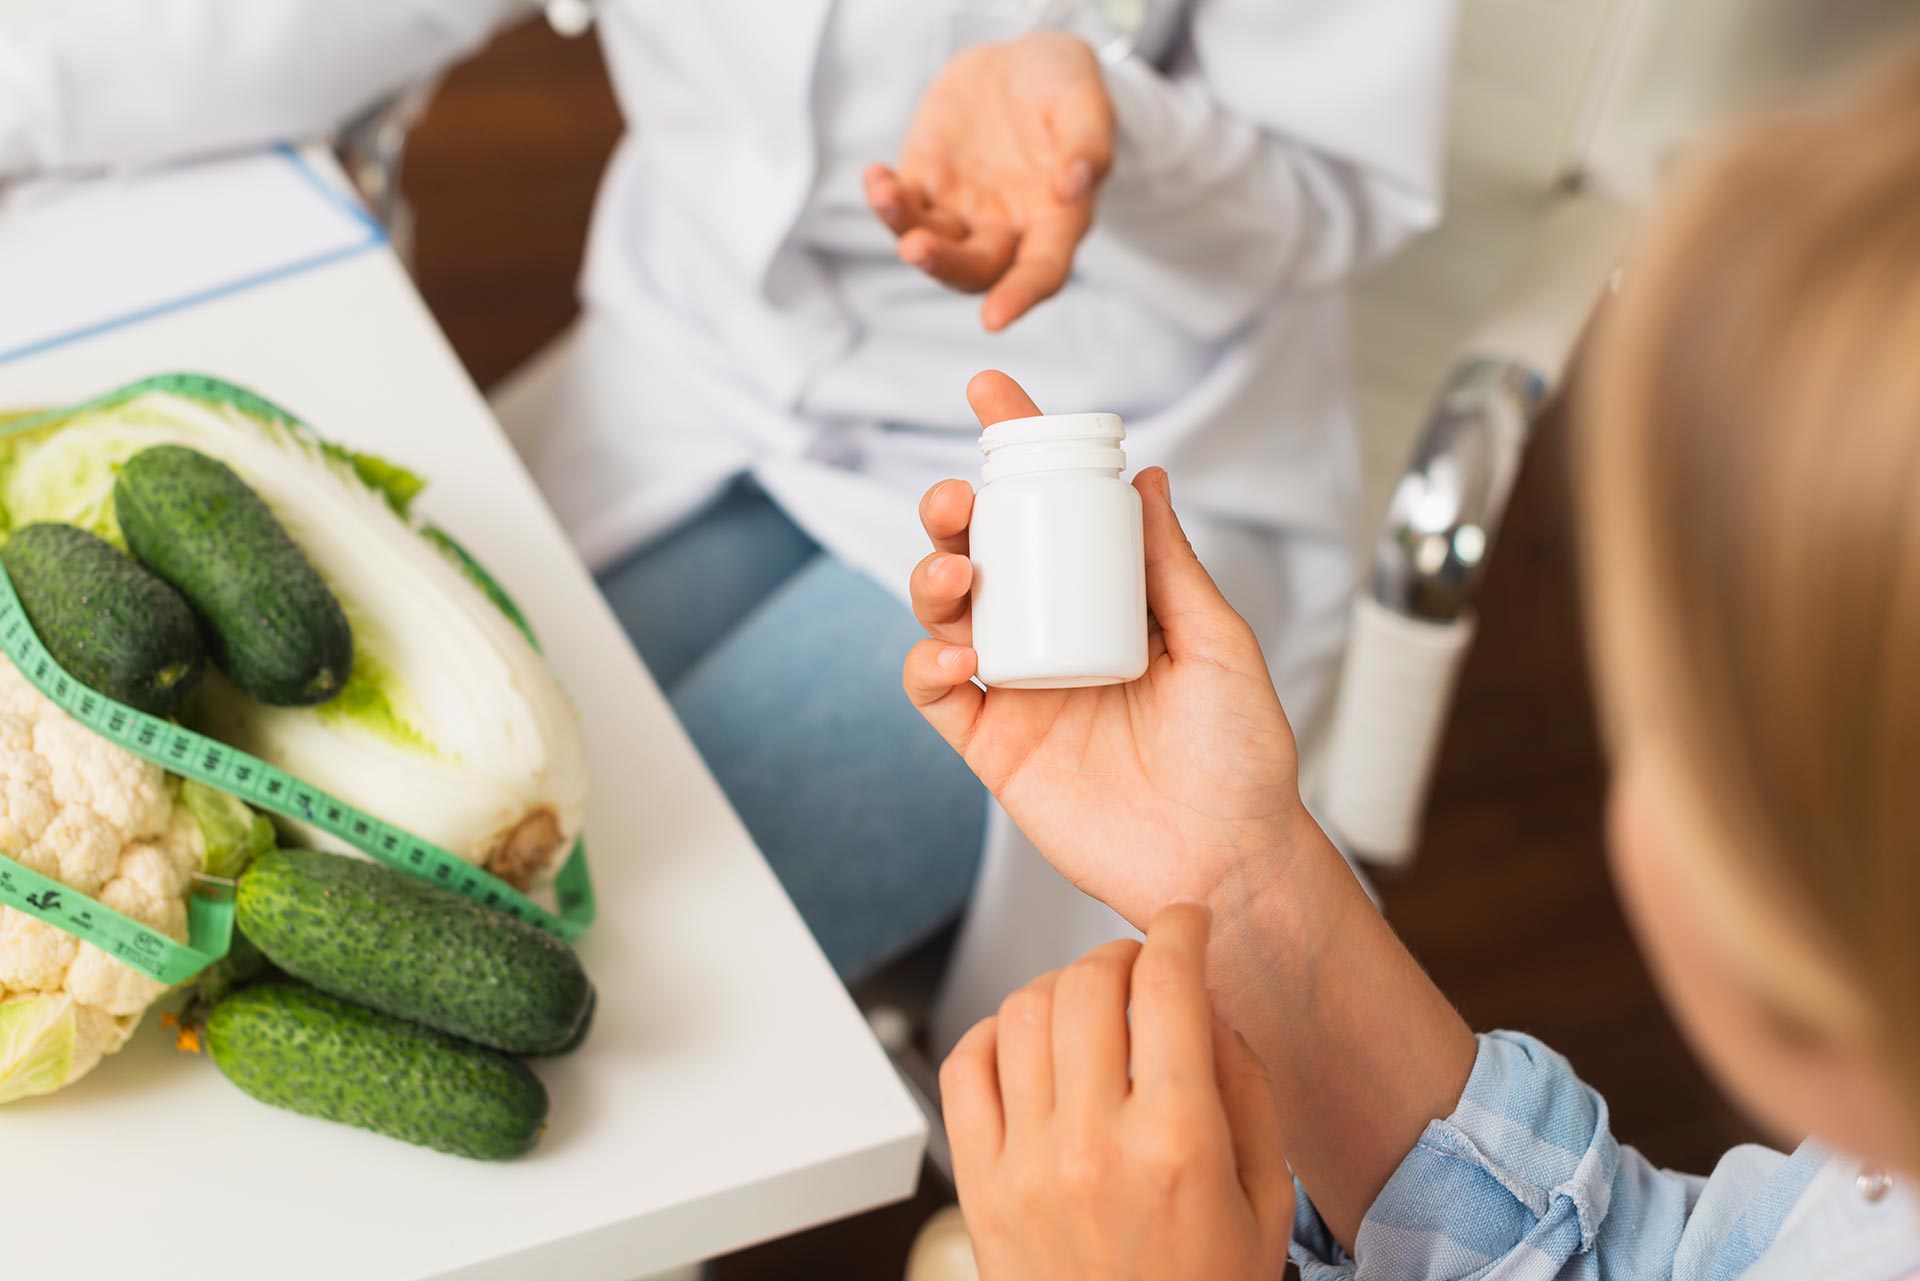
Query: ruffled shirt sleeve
pixel 1525 1182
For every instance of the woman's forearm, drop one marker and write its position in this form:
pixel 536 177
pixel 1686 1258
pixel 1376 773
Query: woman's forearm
pixel 1363 1048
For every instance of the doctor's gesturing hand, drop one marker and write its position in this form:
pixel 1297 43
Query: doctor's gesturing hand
pixel 1181 784
pixel 997 179
pixel 1106 1125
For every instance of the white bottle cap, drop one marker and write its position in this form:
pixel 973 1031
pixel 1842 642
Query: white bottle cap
pixel 1053 442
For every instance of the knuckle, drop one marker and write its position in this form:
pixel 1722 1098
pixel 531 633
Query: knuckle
pixel 1083 1164
pixel 1049 265
pixel 954 1073
pixel 1169 1156
pixel 1077 981
pixel 1097 969
pixel 968 1057
pixel 1160 974
pixel 1028 1005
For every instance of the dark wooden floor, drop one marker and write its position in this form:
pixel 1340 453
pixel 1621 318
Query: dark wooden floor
pixel 1509 905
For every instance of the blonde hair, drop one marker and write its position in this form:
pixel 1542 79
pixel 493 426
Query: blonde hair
pixel 1751 518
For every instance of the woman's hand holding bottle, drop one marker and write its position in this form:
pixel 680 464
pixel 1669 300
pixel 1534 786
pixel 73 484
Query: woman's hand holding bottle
pixel 1181 784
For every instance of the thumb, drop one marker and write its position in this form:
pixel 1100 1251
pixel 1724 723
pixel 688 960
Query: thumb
pixel 1082 123
pixel 1188 606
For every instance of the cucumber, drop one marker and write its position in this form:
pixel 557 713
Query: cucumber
pixel 413 950
pixel 110 623
pixel 296 1048
pixel 579 1037
pixel 276 629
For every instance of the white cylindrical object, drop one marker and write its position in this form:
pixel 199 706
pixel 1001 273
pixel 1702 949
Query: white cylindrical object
pixel 1546 305
pixel 943 1251
pixel 1059 561
pixel 1394 694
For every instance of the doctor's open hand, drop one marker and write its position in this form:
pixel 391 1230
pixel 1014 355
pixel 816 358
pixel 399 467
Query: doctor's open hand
pixel 1182 784
pixel 997 178
pixel 1106 1125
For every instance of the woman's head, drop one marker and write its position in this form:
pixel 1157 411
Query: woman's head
pixel 1751 476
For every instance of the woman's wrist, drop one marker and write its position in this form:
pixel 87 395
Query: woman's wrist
pixel 1277 909
pixel 1363 1050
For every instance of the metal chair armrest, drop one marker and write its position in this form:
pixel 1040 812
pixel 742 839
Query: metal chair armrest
pixel 1413 622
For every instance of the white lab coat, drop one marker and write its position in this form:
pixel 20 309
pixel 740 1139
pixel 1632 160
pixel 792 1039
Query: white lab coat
pixel 745 312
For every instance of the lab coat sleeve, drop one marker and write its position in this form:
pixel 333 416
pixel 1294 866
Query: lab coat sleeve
pixel 87 83
pixel 1287 145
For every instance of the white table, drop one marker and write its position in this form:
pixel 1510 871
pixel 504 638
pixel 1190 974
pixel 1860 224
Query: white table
pixel 730 1092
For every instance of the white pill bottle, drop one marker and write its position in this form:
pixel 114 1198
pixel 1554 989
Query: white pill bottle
pixel 1059 563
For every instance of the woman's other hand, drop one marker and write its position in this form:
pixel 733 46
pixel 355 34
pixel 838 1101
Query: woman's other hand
pixel 1090 1144
pixel 1181 784
pixel 996 181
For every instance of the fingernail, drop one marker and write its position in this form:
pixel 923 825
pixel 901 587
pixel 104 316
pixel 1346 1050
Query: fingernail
pixel 917 255
pixel 935 565
pixel 952 656
pixel 1077 180
pixel 887 209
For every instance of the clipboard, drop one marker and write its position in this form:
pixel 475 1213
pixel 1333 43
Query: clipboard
pixel 80 257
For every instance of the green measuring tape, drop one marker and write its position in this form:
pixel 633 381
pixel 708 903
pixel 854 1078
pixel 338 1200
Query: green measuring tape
pixel 209 923
pixel 190 755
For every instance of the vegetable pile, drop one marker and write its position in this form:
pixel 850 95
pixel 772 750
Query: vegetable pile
pixel 206 558
pixel 448 723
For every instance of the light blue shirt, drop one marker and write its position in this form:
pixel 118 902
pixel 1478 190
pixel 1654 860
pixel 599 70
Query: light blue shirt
pixel 1525 1182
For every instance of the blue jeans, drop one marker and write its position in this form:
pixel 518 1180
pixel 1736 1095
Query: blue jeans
pixel 784 665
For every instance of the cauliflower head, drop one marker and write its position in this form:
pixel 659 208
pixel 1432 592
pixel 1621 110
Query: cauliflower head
pixel 101 821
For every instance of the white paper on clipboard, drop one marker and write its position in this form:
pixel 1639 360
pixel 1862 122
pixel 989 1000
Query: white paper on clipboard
pixel 82 256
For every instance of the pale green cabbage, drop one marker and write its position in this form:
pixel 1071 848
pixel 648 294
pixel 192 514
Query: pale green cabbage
pixel 38 1037
pixel 233 833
